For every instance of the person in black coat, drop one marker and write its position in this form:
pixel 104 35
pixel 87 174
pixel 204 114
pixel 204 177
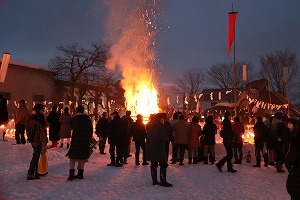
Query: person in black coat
pixel 80 142
pixel 227 134
pixel 209 132
pixel 261 136
pixel 138 131
pixel 3 114
pixel 277 132
pixel 54 126
pixel 169 129
pixel 102 130
pixel 127 144
pixel 117 131
pixel 292 163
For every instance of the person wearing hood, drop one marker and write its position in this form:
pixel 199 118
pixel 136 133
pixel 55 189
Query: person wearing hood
pixel 36 130
pixel 20 117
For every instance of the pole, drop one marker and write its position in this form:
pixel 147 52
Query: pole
pixel 270 109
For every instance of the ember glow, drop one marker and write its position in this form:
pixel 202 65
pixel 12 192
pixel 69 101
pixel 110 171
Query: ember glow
pixel 131 32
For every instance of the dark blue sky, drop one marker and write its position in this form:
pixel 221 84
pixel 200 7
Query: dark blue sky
pixel 193 32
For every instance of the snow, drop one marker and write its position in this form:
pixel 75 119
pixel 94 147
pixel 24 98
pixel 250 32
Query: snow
pixel 133 182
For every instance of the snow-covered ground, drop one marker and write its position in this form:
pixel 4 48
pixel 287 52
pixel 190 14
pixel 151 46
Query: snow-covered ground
pixel 133 182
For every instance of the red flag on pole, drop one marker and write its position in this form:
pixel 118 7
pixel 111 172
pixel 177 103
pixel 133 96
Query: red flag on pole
pixel 231 29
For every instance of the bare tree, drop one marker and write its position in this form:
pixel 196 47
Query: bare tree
pixel 190 83
pixel 222 74
pixel 74 60
pixel 272 68
pixel 106 82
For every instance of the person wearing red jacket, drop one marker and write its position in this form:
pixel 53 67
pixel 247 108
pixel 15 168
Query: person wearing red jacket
pixel 238 130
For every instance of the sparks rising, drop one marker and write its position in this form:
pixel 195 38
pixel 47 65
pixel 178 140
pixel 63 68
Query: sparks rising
pixel 132 30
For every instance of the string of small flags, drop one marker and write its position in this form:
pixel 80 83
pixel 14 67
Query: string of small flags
pixel 264 105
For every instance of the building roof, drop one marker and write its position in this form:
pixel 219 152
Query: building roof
pixel 27 65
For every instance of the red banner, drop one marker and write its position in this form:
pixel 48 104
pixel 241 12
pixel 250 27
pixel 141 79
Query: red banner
pixel 231 29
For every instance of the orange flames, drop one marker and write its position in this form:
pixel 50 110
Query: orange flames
pixel 131 29
pixel 141 98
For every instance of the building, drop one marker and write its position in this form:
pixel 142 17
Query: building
pixel 33 83
pixel 259 100
pixel 38 84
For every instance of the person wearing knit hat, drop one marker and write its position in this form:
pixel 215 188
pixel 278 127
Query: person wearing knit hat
pixel 37 136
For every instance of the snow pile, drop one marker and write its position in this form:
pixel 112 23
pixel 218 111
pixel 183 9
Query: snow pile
pixel 133 182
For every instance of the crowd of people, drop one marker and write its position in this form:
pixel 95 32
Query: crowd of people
pixel 277 140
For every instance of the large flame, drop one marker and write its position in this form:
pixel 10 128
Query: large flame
pixel 131 29
pixel 142 99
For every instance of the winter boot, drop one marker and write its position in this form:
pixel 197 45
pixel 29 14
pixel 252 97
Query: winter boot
pixel 145 163
pixel 195 160
pixel 32 177
pixel 71 174
pixel 154 176
pixel 212 159
pixel 163 176
pixel 190 160
pixel 231 170
pixel 219 166
pixel 102 152
pixel 61 145
pixel 3 138
pixel 112 162
pixel 79 174
pixel 118 163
